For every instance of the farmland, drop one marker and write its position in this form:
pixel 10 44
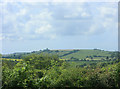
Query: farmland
pixel 61 68
pixel 79 54
pixel 11 59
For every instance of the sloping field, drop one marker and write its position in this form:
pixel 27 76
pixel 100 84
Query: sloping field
pixel 67 54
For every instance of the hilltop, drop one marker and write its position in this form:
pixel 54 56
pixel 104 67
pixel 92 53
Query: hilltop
pixel 69 54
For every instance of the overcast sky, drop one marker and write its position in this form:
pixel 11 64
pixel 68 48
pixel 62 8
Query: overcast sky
pixel 33 26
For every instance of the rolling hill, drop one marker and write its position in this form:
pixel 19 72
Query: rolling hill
pixel 70 54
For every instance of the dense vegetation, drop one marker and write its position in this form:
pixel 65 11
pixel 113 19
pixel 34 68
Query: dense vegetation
pixel 49 71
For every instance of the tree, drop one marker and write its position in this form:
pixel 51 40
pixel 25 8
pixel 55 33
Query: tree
pixel 107 57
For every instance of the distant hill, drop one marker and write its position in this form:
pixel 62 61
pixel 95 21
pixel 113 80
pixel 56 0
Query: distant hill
pixel 69 54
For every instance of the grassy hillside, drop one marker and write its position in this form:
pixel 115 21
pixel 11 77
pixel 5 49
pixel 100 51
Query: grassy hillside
pixel 75 54
pixel 81 54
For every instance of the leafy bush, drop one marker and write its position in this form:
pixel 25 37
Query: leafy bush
pixel 45 71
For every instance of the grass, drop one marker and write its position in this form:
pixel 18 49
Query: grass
pixel 67 54
pixel 81 54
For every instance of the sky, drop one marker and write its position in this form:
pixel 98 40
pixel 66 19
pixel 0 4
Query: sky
pixel 32 26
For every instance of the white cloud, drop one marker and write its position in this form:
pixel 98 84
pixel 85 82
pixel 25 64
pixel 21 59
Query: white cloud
pixel 72 15
pixel 45 14
pixel 104 21
pixel 108 22
pixel 92 30
pixel 107 11
pixel 51 21
pixel 84 14
pixel 1 37
pixel 22 12
pixel 43 29
pixel 38 23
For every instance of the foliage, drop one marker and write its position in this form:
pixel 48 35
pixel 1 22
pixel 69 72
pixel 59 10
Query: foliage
pixel 47 71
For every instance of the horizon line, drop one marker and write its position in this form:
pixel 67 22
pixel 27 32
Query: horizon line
pixel 59 49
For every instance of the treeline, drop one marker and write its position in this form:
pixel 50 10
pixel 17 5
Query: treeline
pixel 15 55
pixel 74 51
pixel 98 63
pixel 47 71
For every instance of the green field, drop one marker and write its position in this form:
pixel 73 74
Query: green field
pixel 75 54
pixel 81 54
